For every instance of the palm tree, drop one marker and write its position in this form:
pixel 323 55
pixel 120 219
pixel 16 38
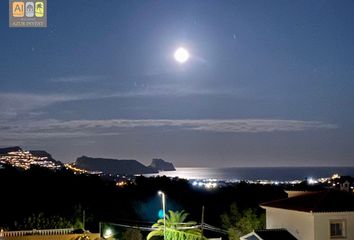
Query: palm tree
pixel 176 227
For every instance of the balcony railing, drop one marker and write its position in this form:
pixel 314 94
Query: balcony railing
pixel 36 232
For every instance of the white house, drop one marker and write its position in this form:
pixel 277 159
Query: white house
pixel 322 215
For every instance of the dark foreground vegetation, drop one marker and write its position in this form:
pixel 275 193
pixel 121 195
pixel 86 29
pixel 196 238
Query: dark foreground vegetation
pixel 40 198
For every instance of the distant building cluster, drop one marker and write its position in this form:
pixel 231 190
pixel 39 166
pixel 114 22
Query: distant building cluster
pixel 337 182
pixel 25 159
pixel 342 183
pixel 207 184
pixel 78 170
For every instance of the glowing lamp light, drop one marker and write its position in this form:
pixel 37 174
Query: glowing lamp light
pixel 108 233
pixel 311 181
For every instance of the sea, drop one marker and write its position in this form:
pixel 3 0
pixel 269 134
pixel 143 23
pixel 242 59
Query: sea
pixel 253 173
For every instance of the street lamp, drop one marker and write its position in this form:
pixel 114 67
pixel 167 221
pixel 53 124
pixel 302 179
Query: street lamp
pixel 162 194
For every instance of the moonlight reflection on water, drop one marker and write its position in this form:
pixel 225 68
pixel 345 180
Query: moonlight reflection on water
pixel 250 173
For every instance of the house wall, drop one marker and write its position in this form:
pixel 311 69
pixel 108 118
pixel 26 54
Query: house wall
pixel 299 224
pixel 322 228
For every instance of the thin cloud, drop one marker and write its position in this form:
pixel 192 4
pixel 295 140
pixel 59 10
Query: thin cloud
pixel 51 128
pixel 12 104
pixel 168 90
pixel 76 79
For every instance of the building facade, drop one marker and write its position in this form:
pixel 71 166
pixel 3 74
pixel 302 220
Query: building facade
pixel 317 216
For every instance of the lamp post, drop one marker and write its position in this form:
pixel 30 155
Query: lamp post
pixel 162 194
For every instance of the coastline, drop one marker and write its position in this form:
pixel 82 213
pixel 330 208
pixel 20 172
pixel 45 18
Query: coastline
pixel 255 173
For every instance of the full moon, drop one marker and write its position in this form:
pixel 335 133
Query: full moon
pixel 181 55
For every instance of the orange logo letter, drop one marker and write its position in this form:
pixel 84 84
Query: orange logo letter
pixel 18 9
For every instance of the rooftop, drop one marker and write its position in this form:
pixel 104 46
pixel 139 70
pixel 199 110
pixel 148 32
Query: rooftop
pixel 324 201
pixel 269 234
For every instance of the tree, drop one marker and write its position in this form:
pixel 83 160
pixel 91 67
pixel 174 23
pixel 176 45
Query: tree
pixel 240 223
pixel 176 228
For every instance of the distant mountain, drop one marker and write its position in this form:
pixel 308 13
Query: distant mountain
pixel 18 157
pixel 161 165
pixel 44 154
pixel 113 166
pixel 10 149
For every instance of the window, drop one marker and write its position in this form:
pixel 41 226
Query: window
pixel 337 228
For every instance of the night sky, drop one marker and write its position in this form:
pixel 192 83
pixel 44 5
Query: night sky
pixel 268 83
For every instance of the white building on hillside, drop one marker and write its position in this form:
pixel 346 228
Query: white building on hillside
pixel 323 215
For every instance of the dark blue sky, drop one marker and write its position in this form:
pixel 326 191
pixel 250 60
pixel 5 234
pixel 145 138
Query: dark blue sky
pixel 269 83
